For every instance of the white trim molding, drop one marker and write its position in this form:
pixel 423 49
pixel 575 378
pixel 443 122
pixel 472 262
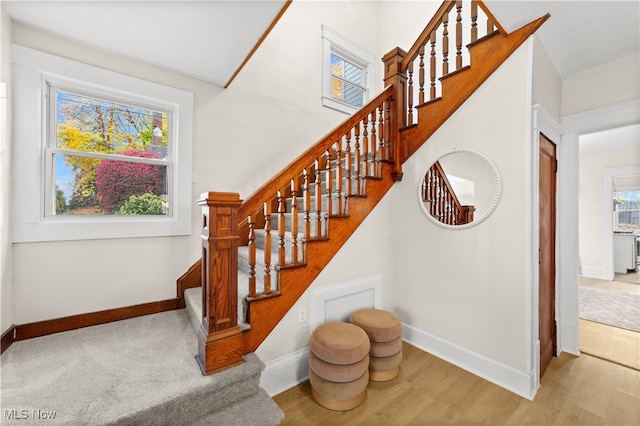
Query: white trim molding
pixel 516 381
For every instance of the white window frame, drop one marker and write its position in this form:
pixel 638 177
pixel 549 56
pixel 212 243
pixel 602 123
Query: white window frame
pixel 33 72
pixel 333 42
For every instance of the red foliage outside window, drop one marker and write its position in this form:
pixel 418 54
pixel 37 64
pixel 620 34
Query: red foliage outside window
pixel 116 181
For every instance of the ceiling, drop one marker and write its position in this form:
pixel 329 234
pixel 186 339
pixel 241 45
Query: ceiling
pixel 206 39
pixel 580 34
pixel 210 39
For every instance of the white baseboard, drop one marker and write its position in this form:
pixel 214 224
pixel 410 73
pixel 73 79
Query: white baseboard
pixel 595 272
pixel 290 370
pixel 569 338
pixel 285 372
pixel 503 375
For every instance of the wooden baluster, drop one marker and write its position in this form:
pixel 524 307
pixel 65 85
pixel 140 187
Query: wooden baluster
pixel 445 44
pixel 347 153
pixel 490 27
pixel 281 228
pixel 459 34
pixel 441 198
pixel 328 178
pixel 318 196
pixel 306 204
pixel 356 159
pixel 387 131
pixel 432 194
pixel 474 21
pixel 432 71
pixel 339 176
pixel 365 144
pixel 267 247
pixel 381 137
pixel 410 94
pixel 252 258
pixel 374 144
pixel 421 76
pixel 294 221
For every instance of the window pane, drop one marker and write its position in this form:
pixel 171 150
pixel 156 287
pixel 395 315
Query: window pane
pixel 353 73
pixel 628 211
pixel 95 125
pixel 353 95
pixel 336 88
pixel 337 65
pixel 90 186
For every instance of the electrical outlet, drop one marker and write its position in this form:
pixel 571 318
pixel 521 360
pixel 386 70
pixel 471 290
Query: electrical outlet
pixel 302 315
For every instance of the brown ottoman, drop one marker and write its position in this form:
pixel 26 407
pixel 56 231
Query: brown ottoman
pixel 339 365
pixel 385 333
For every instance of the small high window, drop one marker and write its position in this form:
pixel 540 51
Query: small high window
pixel 347 73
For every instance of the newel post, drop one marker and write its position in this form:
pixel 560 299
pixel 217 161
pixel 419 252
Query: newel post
pixel 396 76
pixel 219 337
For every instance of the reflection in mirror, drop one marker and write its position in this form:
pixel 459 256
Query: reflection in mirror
pixel 460 188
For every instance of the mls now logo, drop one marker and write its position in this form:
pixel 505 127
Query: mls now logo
pixel 24 414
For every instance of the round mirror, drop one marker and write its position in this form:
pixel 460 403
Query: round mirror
pixel 459 189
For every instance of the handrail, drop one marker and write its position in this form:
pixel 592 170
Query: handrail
pixel 256 200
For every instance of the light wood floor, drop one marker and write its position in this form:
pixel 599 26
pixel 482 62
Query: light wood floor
pixel 574 391
pixel 610 343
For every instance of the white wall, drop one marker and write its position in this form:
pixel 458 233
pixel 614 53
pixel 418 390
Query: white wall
pixel 607 84
pixel 6 287
pixel 591 203
pixel 547 84
pixel 56 279
pixel 467 287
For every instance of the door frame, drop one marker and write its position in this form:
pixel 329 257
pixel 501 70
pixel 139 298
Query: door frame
pixel 543 123
pixel 572 126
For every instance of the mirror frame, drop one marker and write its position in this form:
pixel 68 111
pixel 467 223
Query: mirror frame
pixel 496 193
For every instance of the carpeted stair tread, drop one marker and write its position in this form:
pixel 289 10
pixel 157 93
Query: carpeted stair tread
pixel 256 410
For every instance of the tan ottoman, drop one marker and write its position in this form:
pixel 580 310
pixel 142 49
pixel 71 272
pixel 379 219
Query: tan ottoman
pixel 385 333
pixel 339 365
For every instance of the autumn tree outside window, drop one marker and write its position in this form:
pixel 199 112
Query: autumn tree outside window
pixel 103 153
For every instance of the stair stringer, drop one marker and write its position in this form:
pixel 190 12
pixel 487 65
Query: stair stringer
pixel 264 315
pixel 487 54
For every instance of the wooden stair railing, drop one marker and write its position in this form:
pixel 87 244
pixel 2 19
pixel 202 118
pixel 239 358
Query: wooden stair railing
pixel 289 229
pixel 443 204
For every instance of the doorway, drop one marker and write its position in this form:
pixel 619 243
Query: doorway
pixel 547 252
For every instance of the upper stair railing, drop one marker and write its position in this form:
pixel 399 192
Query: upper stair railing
pixel 438 51
pixel 315 187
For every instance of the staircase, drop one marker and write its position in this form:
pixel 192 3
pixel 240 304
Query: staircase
pixel 261 254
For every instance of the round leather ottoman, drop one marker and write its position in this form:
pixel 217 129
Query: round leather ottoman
pixel 339 365
pixel 385 333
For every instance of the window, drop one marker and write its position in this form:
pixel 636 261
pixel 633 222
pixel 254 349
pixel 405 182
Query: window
pixel 97 154
pixel 105 157
pixel 347 73
pixel 627 211
pixel 347 81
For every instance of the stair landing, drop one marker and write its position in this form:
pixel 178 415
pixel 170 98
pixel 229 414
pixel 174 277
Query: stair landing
pixel 138 371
